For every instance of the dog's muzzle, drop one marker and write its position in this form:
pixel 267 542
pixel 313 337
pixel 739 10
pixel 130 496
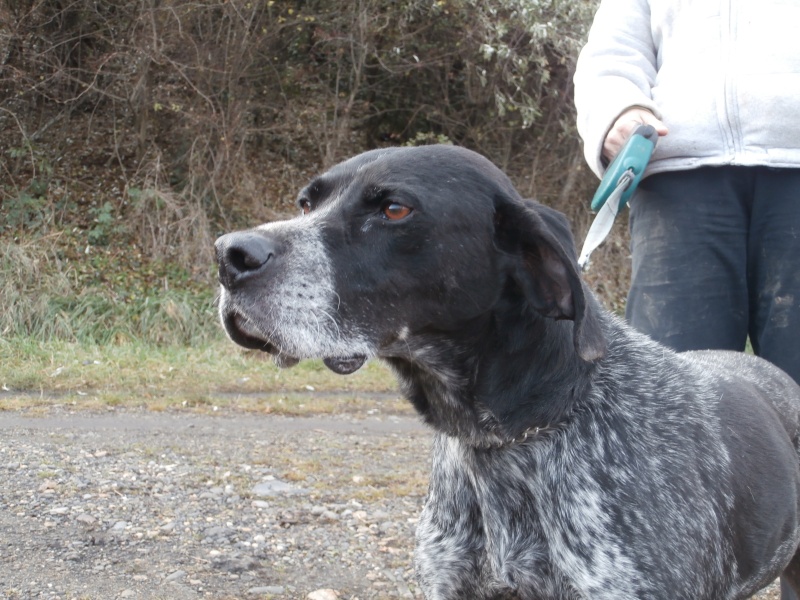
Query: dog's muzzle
pixel 243 258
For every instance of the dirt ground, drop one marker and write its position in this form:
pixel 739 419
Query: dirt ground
pixel 134 504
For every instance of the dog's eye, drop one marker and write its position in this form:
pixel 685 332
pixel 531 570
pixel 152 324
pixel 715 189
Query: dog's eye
pixel 395 211
pixel 305 206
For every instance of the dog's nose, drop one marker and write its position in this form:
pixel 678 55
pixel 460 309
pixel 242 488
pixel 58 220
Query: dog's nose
pixel 241 255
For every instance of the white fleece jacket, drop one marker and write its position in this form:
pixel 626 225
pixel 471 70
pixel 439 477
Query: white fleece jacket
pixel 723 76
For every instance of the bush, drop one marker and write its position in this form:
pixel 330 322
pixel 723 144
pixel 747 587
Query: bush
pixel 148 128
pixel 47 299
pixel 217 101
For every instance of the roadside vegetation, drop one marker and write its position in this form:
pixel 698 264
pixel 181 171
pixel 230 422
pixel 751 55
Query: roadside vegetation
pixel 210 377
pixel 134 133
pixel 149 340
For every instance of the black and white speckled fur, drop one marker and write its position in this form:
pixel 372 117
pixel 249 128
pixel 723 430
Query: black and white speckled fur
pixel 574 458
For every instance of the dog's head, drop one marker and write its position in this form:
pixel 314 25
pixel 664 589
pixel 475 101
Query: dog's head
pixel 393 244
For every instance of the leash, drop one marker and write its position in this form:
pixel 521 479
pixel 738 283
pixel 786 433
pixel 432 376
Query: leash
pixel 617 186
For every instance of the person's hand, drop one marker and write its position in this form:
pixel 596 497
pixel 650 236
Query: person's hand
pixel 623 127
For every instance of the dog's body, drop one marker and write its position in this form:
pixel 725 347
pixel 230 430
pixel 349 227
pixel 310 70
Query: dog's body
pixel 575 458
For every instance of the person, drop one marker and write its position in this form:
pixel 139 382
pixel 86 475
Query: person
pixel 715 223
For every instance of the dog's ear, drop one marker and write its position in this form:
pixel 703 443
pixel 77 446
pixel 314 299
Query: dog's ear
pixel 545 268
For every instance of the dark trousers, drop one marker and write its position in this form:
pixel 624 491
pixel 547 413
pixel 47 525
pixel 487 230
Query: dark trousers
pixel 716 258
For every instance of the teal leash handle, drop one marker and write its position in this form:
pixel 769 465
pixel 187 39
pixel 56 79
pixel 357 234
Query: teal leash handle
pixel 617 186
pixel 633 157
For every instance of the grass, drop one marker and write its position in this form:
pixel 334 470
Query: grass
pixel 52 291
pixel 209 377
pixel 103 327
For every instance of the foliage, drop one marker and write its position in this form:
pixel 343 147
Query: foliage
pixel 136 132
pixel 203 93
pixel 47 296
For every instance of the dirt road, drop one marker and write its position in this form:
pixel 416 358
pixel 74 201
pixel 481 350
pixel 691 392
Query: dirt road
pixel 130 504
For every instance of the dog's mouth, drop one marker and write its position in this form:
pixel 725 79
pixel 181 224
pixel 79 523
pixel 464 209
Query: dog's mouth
pixel 243 333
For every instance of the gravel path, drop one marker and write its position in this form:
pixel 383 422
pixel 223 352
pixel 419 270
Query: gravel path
pixel 139 505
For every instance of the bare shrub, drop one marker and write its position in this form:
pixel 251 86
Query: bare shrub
pixel 165 225
pixel 214 112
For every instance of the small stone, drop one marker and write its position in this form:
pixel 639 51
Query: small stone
pixel 218 532
pixel 323 595
pixel 267 589
pixel 175 576
pixel 276 487
pixel 235 565
pixel 128 594
pixel 168 528
pixel 60 510
pixel 259 504
pixel 86 520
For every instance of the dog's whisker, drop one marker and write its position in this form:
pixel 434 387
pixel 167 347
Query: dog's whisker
pixel 332 319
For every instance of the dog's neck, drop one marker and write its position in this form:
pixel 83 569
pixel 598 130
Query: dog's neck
pixel 507 373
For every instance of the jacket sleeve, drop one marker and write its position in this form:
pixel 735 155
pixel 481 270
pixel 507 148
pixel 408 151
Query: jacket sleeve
pixel 616 70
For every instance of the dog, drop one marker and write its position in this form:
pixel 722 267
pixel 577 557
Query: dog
pixel 573 458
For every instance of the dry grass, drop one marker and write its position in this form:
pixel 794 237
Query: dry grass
pixel 214 376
